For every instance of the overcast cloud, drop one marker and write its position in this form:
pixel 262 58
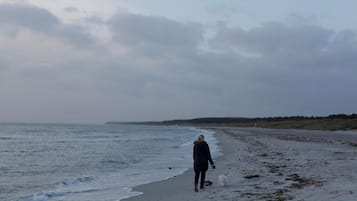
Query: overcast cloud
pixel 140 66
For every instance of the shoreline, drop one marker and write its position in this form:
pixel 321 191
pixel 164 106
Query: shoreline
pixel 159 189
pixel 270 165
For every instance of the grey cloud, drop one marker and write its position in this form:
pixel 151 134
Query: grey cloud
pixel 94 20
pixel 221 9
pixel 155 33
pixel 279 69
pixel 71 9
pixel 41 20
pixel 296 18
pixel 274 69
pixel 274 38
pixel 342 50
pixel 302 69
pixel 27 16
pixel 74 34
pixel 3 64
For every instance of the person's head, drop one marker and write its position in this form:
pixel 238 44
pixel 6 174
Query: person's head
pixel 200 138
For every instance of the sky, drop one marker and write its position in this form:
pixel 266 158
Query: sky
pixel 91 61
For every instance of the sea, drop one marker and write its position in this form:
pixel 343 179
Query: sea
pixel 67 162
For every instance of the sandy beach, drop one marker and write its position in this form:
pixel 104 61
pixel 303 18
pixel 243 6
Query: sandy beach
pixel 266 164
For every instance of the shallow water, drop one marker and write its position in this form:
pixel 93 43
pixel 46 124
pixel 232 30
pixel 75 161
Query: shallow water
pixel 40 162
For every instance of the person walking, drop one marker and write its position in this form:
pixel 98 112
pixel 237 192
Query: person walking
pixel 201 157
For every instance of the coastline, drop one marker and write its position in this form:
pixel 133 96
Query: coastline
pixel 269 165
pixel 182 185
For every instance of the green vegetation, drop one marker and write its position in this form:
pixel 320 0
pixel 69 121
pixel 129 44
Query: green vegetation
pixel 331 122
pixel 312 124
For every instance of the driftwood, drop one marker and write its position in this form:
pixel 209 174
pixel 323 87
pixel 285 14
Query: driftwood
pixel 251 176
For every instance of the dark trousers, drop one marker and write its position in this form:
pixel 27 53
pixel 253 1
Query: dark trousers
pixel 197 176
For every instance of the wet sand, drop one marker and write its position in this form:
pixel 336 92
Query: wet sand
pixel 266 164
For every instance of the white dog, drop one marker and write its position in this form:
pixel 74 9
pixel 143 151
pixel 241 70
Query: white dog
pixel 222 180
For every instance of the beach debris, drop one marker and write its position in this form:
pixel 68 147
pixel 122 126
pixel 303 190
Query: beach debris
pixel 352 144
pixel 252 176
pixel 302 182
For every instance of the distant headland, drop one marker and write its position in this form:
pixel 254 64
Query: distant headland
pixel 330 122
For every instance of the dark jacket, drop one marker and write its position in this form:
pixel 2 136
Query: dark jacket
pixel 201 156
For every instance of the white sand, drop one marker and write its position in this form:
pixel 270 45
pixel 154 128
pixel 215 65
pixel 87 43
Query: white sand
pixel 284 164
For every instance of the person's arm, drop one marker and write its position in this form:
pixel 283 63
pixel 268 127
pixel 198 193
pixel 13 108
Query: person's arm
pixel 194 152
pixel 210 158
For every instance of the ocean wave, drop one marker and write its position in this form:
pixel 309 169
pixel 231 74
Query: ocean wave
pixel 62 188
pixel 75 181
pixel 6 138
pixel 45 196
pixel 115 163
